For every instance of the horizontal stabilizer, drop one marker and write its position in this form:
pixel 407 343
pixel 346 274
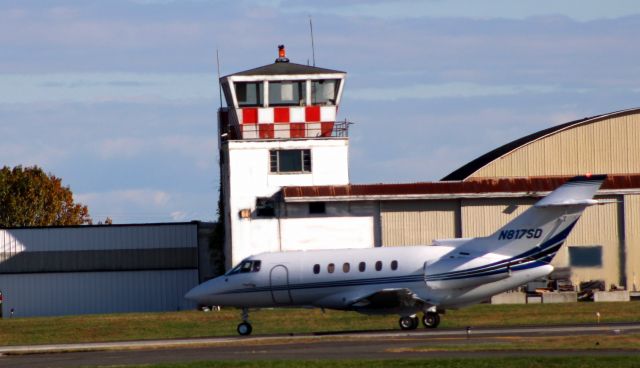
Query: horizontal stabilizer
pixel 451 242
pixel 577 191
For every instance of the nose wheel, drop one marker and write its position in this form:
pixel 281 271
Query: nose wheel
pixel 244 328
pixel 409 322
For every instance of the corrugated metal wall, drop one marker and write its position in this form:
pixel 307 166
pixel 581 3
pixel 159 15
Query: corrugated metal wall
pixel 99 237
pixel 607 146
pixel 417 222
pixel 99 269
pixel 482 217
pixel 52 294
pixel 632 240
pixel 599 225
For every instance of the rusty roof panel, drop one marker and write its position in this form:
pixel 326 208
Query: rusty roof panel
pixel 473 185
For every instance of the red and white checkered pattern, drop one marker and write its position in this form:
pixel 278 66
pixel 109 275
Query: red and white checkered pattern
pixel 286 122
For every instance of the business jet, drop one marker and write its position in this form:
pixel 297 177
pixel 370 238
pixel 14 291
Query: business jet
pixel 449 274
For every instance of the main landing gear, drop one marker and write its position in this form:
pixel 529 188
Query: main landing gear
pixel 429 320
pixel 244 328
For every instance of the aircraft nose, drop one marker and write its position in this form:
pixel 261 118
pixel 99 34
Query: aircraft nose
pixel 203 293
pixel 195 294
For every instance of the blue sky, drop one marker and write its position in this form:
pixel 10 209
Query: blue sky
pixel 119 97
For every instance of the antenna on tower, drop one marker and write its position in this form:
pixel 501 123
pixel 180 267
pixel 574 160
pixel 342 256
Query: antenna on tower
pixel 218 67
pixel 313 48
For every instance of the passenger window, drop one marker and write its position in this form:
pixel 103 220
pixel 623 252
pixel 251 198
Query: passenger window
pixel 362 266
pixel 316 269
pixel 331 267
pixel 346 267
pixel 394 265
pixel 378 266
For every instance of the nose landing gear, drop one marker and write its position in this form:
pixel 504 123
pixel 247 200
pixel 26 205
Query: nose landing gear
pixel 244 328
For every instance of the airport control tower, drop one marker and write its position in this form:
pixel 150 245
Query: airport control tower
pixel 278 129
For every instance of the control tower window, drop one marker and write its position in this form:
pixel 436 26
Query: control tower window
pixel 287 93
pixel 249 94
pixel 290 161
pixel 324 92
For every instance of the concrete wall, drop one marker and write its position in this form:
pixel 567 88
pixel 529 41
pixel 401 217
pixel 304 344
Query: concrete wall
pixel 509 298
pixel 563 297
pixel 611 296
pixel 249 177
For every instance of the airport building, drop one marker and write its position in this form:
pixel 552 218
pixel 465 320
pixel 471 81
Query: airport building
pixel 284 164
pixel 102 269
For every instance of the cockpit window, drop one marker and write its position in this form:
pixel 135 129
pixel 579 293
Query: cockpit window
pixel 245 267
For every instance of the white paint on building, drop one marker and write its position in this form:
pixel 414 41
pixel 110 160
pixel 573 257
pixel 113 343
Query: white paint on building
pixel 246 171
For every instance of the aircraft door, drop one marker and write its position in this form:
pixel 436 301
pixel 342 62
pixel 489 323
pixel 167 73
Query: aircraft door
pixel 279 278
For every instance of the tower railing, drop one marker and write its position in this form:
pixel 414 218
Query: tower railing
pixel 231 130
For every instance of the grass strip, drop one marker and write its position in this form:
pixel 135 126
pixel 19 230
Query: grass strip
pixel 528 362
pixel 187 324
pixel 583 342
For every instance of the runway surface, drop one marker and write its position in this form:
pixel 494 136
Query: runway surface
pixel 350 345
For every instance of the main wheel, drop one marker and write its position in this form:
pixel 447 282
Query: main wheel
pixel 431 320
pixel 408 322
pixel 244 329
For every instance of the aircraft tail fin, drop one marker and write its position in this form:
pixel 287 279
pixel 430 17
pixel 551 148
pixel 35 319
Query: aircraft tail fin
pixel 540 231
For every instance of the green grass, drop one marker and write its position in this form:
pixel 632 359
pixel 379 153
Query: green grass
pixel 529 362
pixel 135 326
pixel 584 342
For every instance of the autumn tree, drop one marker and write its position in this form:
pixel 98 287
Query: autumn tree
pixel 31 197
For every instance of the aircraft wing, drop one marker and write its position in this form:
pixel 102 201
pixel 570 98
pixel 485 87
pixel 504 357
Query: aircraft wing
pixel 390 301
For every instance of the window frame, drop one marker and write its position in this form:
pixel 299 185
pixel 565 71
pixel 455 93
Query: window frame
pixel 259 94
pixel 580 260
pixel 265 207
pixel 317 208
pixel 378 266
pixel 275 161
pixel 362 266
pixel 346 267
pixel 299 87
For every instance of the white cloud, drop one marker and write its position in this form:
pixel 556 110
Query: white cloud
pixel 123 147
pixel 576 9
pixel 106 87
pixel 201 149
pixel 43 155
pixel 452 90
pixel 146 205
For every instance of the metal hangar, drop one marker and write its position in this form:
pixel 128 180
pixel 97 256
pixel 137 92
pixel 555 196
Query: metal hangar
pixel 101 269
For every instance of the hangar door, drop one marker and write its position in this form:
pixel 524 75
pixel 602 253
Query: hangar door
pixel 417 222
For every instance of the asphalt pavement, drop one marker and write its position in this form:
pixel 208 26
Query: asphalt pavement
pixel 347 345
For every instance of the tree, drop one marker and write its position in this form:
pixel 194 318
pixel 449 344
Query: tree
pixel 30 197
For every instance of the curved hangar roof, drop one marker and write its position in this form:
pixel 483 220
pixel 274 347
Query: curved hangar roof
pixel 605 143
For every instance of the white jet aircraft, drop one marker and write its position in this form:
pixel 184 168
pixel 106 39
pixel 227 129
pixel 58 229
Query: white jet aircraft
pixel 451 273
